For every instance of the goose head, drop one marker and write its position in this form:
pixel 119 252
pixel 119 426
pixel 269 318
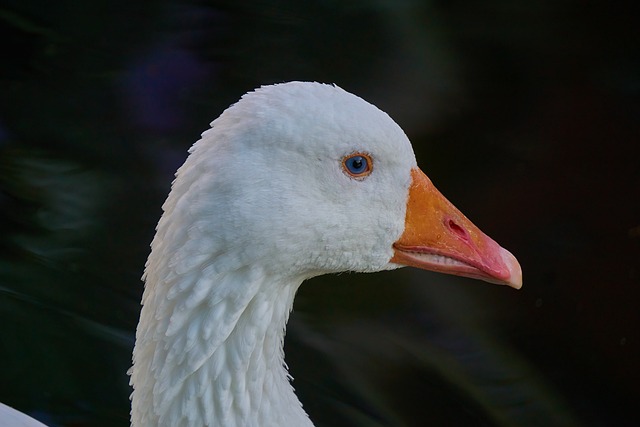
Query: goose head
pixel 310 179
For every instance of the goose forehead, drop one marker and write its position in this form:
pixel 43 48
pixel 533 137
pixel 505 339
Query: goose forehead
pixel 316 117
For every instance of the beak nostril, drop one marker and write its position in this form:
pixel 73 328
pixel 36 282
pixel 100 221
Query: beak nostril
pixel 461 232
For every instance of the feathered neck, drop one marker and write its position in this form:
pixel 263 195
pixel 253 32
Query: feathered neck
pixel 209 349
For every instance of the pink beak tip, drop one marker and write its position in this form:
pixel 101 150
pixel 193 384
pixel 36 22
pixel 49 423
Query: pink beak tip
pixel 512 265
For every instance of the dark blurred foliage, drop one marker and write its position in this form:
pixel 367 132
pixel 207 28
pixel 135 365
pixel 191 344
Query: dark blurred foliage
pixel 525 114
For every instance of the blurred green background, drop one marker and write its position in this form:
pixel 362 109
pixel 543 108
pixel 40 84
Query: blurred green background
pixel 525 114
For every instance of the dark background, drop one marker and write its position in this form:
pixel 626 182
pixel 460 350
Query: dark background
pixel 524 114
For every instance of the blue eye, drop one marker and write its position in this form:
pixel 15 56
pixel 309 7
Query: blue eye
pixel 357 165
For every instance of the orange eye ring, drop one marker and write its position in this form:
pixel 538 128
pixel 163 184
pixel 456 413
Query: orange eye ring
pixel 357 165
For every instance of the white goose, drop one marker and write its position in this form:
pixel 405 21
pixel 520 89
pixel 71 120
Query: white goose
pixel 293 181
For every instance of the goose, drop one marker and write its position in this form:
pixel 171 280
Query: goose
pixel 293 181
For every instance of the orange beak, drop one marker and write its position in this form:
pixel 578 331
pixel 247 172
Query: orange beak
pixel 438 237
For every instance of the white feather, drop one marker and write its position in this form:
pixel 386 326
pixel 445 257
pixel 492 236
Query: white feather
pixel 261 204
pixel 13 418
